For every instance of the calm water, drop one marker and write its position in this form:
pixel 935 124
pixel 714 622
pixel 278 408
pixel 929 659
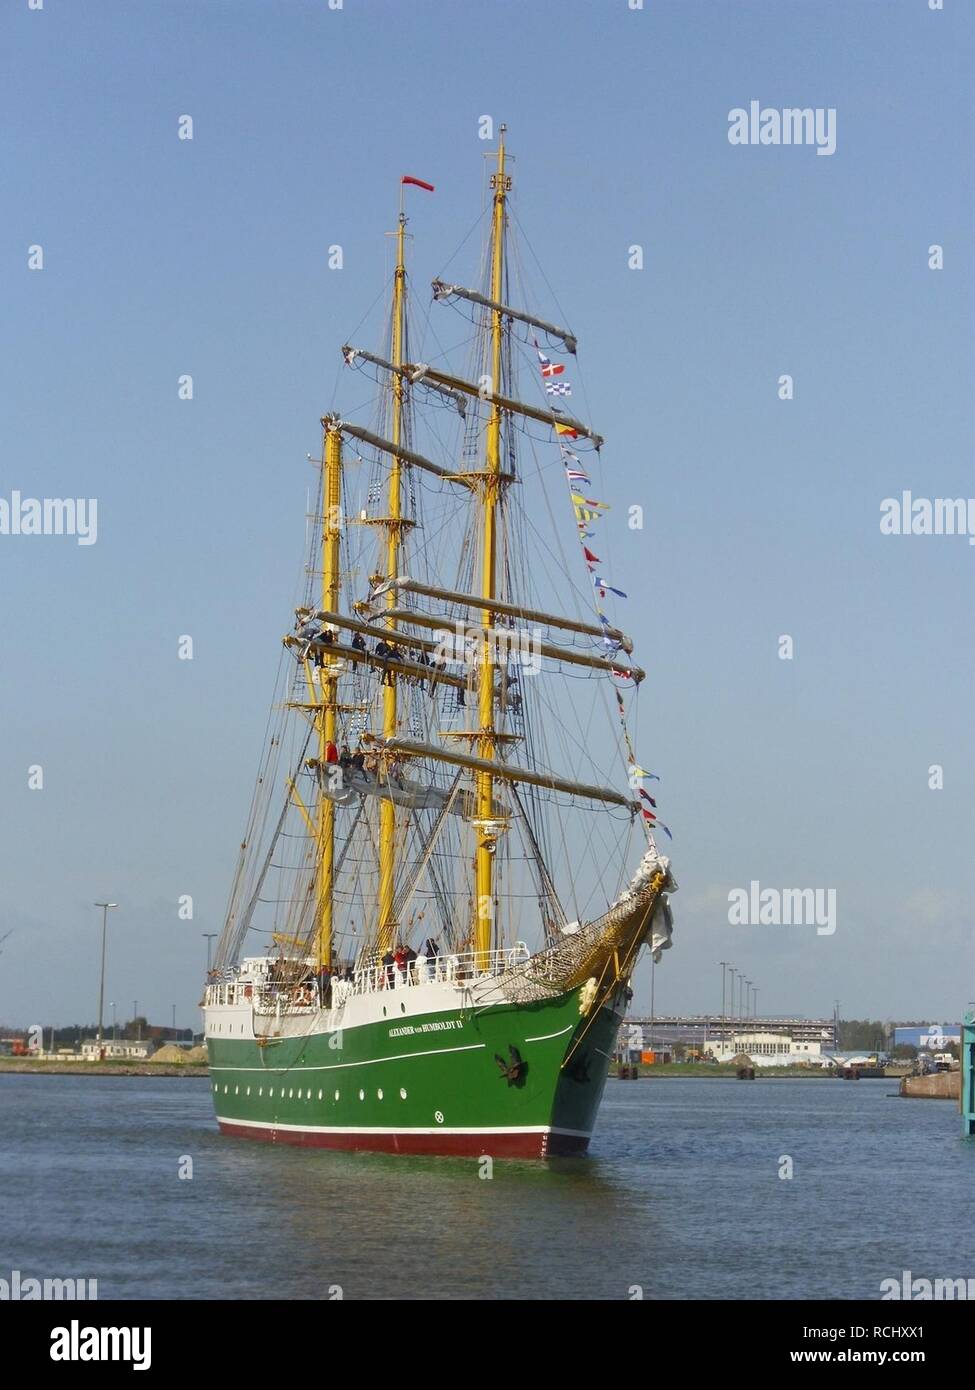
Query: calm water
pixel 680 1195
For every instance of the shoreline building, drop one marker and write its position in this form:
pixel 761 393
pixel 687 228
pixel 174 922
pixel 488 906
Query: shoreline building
pixel 120 1049
pixel 773 1041
pixel 927 1037
pixel 770 1049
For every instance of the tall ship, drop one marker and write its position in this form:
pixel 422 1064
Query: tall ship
pixel 450 865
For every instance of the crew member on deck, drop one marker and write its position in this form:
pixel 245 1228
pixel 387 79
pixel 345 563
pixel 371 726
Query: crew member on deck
pixel 324 979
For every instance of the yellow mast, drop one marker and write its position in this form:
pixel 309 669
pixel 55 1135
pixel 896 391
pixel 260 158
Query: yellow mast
pixel 486 832
pixel 387 810
pixel 331 527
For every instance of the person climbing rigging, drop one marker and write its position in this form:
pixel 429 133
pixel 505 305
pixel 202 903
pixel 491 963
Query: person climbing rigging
pixel 437 666
pixel 384 651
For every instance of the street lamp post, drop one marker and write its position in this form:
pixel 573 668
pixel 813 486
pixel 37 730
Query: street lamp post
pixel 101 987
pixel 111 1005
pixel 731 1021
pixel 723 964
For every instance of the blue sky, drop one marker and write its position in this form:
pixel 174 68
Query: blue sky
pixel 209 257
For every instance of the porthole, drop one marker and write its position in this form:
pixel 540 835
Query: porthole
pixel 438 1116
pixel 362 1095
pixel 402 1093
pixel 260 1090
pixel 336 1095
pixel 270 1091
pixel 248 1090
pixel 402 1008
pixel 225 1090
pixel 236 1090
pixel 299 1093
pixel 291 1093
pixel 319 1095
pixel 379 1094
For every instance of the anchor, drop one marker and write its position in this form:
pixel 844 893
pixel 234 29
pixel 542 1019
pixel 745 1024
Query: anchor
pixel 514 1070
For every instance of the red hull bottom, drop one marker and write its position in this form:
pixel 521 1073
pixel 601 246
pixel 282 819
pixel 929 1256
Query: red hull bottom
pixel 526 1145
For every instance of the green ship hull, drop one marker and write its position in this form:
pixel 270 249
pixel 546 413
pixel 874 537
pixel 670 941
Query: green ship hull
pixel 506 1080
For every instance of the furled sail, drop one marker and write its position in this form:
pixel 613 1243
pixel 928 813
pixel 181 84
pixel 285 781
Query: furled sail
pixel 401 790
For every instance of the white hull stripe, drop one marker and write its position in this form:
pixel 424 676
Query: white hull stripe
pixel 369 1062
pixel 405 1130
pixel 545 1036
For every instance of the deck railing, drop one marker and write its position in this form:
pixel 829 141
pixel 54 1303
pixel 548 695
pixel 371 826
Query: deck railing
pixel 457 968
pixel 454 969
